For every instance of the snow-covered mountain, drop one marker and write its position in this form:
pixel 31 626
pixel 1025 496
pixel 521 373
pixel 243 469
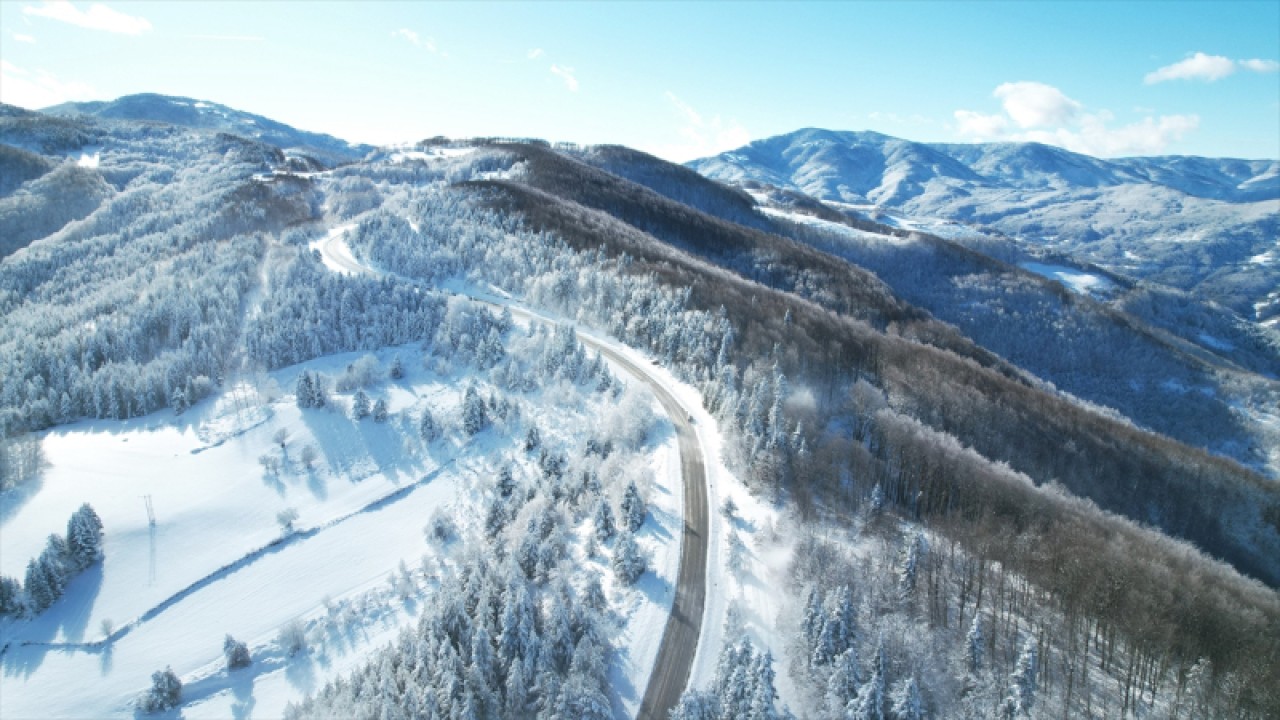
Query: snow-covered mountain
pixel 1207 226
pixel 205 115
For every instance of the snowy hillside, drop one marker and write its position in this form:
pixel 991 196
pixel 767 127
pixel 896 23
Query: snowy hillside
pixel 204 115
pixel 1191 223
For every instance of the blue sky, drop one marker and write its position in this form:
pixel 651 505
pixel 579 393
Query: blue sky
pixel 683 80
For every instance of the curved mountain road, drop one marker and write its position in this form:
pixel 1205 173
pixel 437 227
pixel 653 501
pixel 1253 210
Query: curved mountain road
pixel 671 669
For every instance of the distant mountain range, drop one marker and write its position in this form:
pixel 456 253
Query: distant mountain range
pixel 1207 226
pixel 188 112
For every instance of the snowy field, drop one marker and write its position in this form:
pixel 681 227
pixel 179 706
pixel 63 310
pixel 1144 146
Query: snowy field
pixel 355 568
pixel 1079 281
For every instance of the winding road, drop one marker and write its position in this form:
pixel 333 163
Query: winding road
pixel 671 669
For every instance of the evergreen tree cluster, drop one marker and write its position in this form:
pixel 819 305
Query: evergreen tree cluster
pixel 743 688
pixel 63 557
pixel 315 312
pixel 494 645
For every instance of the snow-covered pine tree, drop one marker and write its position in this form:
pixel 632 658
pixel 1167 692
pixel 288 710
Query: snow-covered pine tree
pixel 633 508
pixel 1022 683
pixel 916 546
pixel 532 439
pixel 428 430
pixel 474 416
pixel 906 701
pixel 843 682
pixel 10 597
pixel 304 390
pixel 869 705
pixel 974 646
pixel 506 483
pixel 165 692
pixel 380 410
pixel 697 705
pixel 396 371
pixel 236 653
pixel 360 405
pixel 629 562
pixel 41 592
pixel 495 518
pixel 84 537
pixel 603 518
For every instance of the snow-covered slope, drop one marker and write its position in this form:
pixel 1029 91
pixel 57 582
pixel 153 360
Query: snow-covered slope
pixel 204 115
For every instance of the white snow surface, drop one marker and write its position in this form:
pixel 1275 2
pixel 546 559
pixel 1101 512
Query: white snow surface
pixel 1079 281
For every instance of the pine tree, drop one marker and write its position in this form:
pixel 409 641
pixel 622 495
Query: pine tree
pixel 380 411
pixel 628 561
pixel 532 439
pixel 165 692
pixel 41 593
pixel 869 705
pixel 360 405
pixel 697 705
pixel 1022 686
pixel 427 428
pixel 304 392
pixel 974 645
pixel 236 653
pixel 605 527
pixel 495 519
pixel 907 579
pixel 811 620
pixel 10 597
pixel 474 416
pixel 633 508
pixel 907 703
pixel 843 683
pixel 84 537
pixel 397 368
pixel 506 483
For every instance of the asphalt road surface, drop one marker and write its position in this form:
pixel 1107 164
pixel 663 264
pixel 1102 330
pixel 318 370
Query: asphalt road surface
pixel 670 674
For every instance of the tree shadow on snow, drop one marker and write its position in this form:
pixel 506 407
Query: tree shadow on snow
pixel 242 691
pixel 656 589
pixel 35 637
pixel 301 672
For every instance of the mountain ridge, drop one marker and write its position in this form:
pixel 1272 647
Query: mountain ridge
pixel 1201 225
pixel 207 115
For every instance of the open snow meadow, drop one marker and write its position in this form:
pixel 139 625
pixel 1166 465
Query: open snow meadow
pixel 351 568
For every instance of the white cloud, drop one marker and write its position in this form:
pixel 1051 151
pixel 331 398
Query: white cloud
pixel 977 126
pixel 1035 112
pixel 97 17
pixel 1197 67
pixel 535 53
pixel 566 74
pixel 23 38
pixel 698 135
pixel 39 89
pixel 418 41
pixel 1093 136
pixel 1260 66
pixel 1208 68
pixel 407 34
pixel 1033 104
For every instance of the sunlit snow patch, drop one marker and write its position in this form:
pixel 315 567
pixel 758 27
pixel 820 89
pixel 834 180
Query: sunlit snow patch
pixel 1074 279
